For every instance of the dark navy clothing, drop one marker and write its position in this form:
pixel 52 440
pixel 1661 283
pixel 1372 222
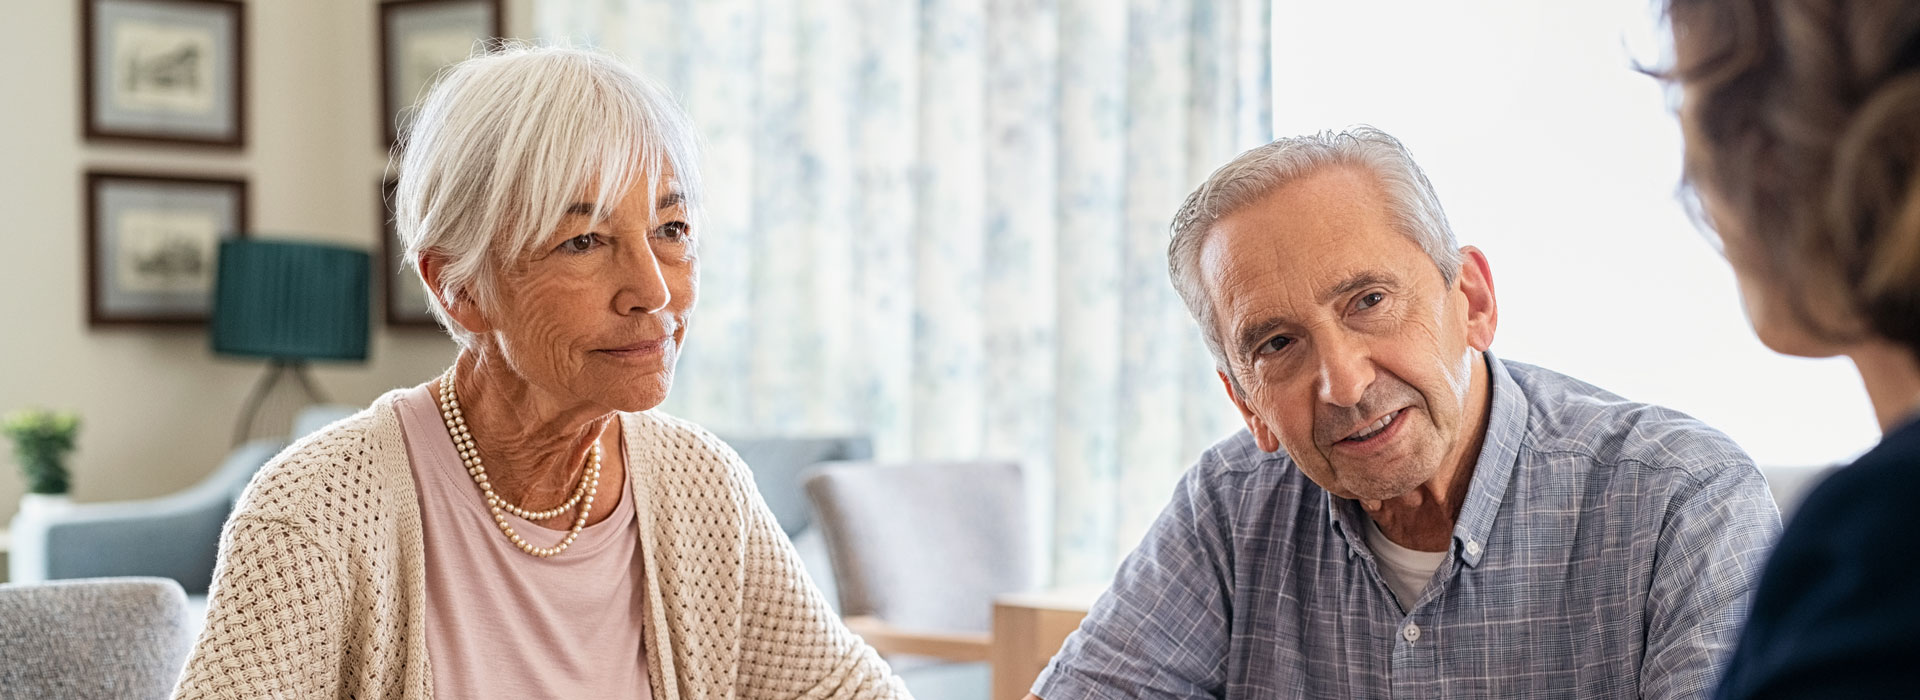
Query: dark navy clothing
pixel 1838 612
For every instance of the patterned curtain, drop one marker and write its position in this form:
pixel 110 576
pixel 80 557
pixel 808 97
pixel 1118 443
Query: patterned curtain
pixel 943 224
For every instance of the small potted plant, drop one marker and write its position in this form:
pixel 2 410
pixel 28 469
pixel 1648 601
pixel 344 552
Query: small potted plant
pixel 41 441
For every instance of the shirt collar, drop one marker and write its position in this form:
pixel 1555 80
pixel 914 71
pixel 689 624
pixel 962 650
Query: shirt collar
pixel 1492 473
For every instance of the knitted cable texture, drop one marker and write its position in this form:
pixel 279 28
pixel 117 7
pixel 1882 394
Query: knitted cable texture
pixel 320 586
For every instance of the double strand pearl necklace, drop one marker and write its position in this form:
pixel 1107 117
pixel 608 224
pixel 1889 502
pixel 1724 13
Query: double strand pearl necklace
pixel 463 441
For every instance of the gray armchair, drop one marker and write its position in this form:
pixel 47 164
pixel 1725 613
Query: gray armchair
pixel 919 553
pixel 1791 484
pixel 176 536
pixel 118 638
pixel 778 464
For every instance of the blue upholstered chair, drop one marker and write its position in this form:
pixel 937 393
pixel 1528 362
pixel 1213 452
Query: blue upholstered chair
pixel 176 536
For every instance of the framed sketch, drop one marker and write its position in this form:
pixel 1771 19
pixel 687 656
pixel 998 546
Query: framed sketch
pixel 152 242
pixel 418 38
pixel 406 300
pixel 167 71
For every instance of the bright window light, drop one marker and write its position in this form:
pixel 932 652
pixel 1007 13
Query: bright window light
pixel 1560 161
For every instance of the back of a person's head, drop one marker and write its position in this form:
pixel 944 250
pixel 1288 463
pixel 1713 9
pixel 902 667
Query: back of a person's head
pixel 1804 132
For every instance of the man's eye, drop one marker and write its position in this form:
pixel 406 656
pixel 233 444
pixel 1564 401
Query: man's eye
pixel 674 231
pixel 1274 345
pixel 1370 300
pixel 581 243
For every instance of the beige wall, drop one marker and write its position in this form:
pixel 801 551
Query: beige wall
pixel 158 407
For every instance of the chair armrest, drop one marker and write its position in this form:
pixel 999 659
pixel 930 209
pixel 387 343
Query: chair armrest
pixel 890 640
pixel 175 536
pixel 170 537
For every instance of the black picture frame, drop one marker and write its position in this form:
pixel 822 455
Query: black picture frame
pixel 164 71
pixel 403 300
pixel 418 39
pixel 152 244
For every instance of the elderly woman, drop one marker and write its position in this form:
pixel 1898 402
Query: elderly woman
pixel 1802 124
pixel 524 525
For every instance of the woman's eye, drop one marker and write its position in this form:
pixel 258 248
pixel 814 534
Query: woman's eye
pixel 581 243
pixel 1370 300
pixel 674 231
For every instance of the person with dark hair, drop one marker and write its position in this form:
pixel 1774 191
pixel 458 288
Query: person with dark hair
pixel 1802 126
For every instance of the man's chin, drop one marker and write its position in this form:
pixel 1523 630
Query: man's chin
pixel 1374 491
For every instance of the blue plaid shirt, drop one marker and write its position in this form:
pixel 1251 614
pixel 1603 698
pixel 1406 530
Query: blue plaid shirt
pixel 1606 549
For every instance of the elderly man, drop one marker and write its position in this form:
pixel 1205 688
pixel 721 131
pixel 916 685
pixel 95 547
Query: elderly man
pixel 1407 516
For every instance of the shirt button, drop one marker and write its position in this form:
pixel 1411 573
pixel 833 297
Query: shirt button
pixel 1473 548
pixel 1411 632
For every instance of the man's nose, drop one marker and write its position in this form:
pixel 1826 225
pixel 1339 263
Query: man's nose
pixel 1346 371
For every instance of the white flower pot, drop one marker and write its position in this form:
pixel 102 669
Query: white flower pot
pixel 37 503
pixel 26 555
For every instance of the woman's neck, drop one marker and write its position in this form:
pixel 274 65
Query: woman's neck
pixel 534 446
pixel 1892 377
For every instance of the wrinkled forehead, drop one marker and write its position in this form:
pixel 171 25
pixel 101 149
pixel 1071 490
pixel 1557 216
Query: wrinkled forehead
pixel 1298 244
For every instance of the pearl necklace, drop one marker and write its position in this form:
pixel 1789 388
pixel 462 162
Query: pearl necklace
pixel 463 441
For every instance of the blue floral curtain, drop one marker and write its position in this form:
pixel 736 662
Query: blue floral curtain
pixel 943 224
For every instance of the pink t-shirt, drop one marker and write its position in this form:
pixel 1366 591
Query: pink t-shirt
pixel 505 624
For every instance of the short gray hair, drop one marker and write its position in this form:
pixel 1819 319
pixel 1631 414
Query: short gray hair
pixel 506 141
pixel 1411 205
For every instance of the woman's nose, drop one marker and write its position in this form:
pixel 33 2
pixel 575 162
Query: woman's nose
pixel 643 286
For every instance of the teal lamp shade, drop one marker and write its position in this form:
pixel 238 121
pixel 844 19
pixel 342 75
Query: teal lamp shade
pixel 291 300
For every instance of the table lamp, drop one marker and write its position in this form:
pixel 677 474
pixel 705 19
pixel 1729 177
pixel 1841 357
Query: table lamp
pixel 290 302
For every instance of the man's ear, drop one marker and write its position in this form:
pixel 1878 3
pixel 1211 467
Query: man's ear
pixel 1262 435
pixel 459 305
pixel 1476 283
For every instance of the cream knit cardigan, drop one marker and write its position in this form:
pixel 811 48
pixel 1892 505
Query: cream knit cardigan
pixel 320 591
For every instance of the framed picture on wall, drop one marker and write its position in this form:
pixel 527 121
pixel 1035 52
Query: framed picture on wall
pixel 152 242
pixel 406 300
pixel 418 38
pixel 168 71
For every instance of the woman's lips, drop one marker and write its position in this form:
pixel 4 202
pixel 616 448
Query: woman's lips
pixel 638 350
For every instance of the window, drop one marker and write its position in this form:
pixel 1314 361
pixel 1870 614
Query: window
pixel 1560 161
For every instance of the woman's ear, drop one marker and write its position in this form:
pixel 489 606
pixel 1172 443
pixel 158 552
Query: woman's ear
pixel 459 304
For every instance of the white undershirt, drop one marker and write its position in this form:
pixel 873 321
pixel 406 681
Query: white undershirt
pixel 1407 570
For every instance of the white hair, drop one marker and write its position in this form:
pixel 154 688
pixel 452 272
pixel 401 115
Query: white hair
pixel 507 140
pixel 1411 205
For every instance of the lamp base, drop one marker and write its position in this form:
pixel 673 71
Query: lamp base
pixel 261 389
